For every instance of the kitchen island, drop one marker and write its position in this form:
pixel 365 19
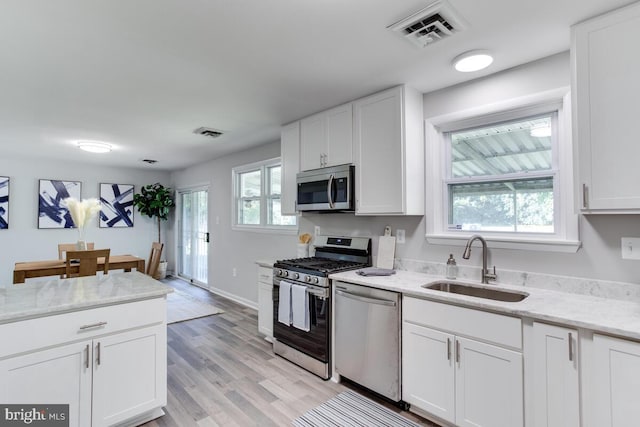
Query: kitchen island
pixel 95 343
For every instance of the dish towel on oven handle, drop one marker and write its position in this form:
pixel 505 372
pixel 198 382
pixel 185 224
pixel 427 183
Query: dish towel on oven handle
pixel 300 307
pixel 284 303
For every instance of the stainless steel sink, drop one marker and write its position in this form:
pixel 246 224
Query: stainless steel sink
pixel 476 291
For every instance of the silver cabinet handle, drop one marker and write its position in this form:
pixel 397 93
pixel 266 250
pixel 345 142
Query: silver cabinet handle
pixel 98 353
pixel 86 363
pixel 457 351
pixel 585 196
pixel 448 349
pixel 93 325
pixel 367 300
pixel 570 347
pixel 329 189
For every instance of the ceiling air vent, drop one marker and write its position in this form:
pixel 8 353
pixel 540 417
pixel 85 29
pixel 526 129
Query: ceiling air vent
pixel 435 22
pixel 213 133
pixel 150 161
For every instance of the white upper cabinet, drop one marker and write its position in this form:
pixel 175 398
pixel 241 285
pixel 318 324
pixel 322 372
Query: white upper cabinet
pixel 389 153
pixel 606 90
pixel 326 139
pixel 290 158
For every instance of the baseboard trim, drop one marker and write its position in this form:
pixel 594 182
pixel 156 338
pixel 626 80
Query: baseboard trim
pixel 232 297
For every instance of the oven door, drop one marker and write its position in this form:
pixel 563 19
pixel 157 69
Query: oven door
pixel 314 343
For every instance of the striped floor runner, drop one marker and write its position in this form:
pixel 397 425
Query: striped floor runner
pixel 351 409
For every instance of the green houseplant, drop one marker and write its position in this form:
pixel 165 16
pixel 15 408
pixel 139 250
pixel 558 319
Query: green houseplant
pixel 155 201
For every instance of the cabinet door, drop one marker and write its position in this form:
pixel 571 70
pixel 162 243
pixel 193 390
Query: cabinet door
pixel 617 380
pixel 265 309
pixel 489 385
pixel 428 370
pixel 129 374
pixel 290 157
pixel 313 142
pixel 606 92
pixel 339 135
pixel 56 376
pixel 555 377
pixel 378 153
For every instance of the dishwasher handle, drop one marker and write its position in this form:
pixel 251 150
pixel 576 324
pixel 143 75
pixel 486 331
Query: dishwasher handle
pixel 368 300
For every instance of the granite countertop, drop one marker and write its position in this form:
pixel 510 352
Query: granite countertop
pixel 265 263
pixel 51 296
pixel 606 315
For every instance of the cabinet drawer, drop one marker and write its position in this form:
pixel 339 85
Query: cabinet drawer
pixel 32 334
pixel 265 275
pixel 490 327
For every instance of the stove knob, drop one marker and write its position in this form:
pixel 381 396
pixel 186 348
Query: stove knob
pixel 307 279
pixel 295 275
pixel 315 280
pixel 279 273
pixel 285 273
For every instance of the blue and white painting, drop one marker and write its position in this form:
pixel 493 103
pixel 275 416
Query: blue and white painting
pixel 4 202
pixel 117 205
pixel 51 213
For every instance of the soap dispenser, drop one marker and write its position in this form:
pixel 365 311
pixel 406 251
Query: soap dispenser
pixel 452 267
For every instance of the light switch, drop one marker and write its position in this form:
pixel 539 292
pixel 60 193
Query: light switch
pixel 630 248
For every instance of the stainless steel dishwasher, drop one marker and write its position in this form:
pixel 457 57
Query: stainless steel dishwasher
pixel 367 337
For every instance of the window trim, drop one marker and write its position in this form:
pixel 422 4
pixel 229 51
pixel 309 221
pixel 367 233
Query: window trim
pixel 566 235
pixel 263 227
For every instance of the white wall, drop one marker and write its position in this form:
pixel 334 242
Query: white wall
pixel 23 241
pixel 228 248
pixel 599 258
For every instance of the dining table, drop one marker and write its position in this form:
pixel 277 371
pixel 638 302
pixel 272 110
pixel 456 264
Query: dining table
pixel 31 269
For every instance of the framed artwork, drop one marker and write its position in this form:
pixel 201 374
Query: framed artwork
pixel 117 205
pixel 51 193
pixel 4 202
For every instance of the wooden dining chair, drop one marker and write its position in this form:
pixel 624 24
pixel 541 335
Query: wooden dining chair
pixel 64 247
pixel 154 259
pixel 87 262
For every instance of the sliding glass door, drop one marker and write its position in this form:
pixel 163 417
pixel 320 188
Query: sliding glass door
pixel 193 246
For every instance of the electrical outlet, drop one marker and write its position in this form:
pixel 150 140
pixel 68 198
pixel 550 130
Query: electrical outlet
pixel 217 220
pixel 316 230
pixel 630 247
pixel 234 272
pixel 400 234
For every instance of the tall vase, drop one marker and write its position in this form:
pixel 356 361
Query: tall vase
pixel 81 245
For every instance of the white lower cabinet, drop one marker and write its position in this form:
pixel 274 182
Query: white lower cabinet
pixel 616 375
pixel 450 373
pixel 265 302
pixel 109 364
pixel 129 375
pixel 55 376
pixel 556 386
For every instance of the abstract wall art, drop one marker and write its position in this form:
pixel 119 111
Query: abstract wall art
pixel 51 193
pixel 4 202
pixel 117 205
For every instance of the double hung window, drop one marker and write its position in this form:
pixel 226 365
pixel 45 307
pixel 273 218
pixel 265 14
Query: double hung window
pixel 257 192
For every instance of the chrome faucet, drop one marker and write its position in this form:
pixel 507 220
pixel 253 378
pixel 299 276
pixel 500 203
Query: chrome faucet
pixel 486 276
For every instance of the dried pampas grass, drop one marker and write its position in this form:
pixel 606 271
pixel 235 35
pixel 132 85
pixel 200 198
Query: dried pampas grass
pixel 82 211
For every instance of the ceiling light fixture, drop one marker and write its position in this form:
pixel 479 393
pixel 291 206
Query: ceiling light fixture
pixel 94 146
pixel 541 131
pixel 474 60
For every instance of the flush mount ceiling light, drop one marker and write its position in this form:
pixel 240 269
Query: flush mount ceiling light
pixel 474 60
pixel 541 131
pixel 94 146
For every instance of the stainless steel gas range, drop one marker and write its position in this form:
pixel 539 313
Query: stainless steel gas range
pixel 312 349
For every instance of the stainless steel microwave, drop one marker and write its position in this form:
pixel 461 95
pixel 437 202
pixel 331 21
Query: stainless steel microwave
pixel 326 189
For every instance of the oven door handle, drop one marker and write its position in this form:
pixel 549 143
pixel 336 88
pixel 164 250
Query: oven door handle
pixel 367 300
pixel 330 192
pixel 311 291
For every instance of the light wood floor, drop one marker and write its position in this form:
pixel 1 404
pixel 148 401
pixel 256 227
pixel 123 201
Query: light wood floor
pixel 222 373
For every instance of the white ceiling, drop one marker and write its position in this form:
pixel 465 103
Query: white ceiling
pixel 143 74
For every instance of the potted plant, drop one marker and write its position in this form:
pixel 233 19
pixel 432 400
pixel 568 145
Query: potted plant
pixel 155 201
